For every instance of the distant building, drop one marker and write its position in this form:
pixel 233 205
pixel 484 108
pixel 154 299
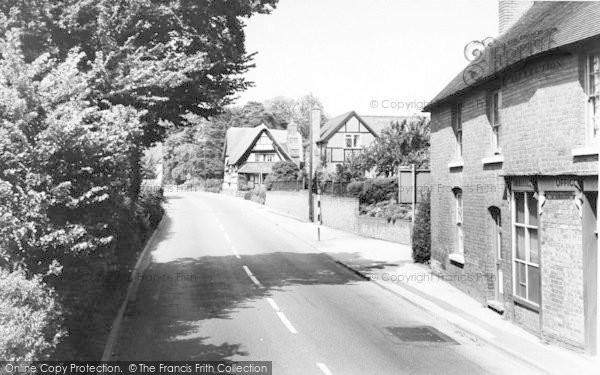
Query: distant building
pixel 514 157
pixel 252 152
pixel 347 134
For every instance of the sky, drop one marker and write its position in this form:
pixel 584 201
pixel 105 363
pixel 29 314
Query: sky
pixel 377 57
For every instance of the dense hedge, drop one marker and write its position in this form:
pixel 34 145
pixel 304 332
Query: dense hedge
pixel 30 318
pixel 374 190
pixel 258 194
pixel 212 185
pixel 421 237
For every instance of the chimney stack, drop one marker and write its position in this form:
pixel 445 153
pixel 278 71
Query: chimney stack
pixel 294 141
pixel 509 12
pixel 315 123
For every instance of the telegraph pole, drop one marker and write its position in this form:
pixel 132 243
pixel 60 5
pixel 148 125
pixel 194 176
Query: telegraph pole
pixel 310 171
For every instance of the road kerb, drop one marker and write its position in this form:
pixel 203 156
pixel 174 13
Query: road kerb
pixel 479 336
pixel 138 270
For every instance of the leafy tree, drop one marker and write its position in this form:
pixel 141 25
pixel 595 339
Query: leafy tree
pixel 253 114
pixel 353 169
pixel 401 144
pixel 166 57
pixel 285 171
pixel 299 110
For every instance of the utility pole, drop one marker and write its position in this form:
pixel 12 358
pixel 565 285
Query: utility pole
pixel 204 152
pixel 310 169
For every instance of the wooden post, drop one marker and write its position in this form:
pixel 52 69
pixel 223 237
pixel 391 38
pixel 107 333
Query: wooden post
pixel 399 197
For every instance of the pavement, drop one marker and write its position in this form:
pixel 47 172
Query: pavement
pixel 390 266
pixel 230 280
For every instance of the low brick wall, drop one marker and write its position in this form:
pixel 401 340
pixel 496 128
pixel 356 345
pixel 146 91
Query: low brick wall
pixel 340 213
pixel 380 228
pixel 294 203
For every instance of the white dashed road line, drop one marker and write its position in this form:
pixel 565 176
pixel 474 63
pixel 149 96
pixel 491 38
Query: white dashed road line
pixel 227 238
pixel 237 255
pixel 252 277
pixel 324 368
pixel 286 322
pixel 273 304
pixel 256 282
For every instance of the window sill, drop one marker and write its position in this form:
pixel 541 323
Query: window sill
pixel 585 151
pixel 496 159
pixel 496 306
pixel 456 164
pixel 526 304
pixel 457 258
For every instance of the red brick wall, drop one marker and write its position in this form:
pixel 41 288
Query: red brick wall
pixel 542 121
pixel 482 188
pixel 562 270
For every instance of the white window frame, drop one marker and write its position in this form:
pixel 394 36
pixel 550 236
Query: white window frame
pixel 354 140
pixel 264 140
pixel 592 119
pixel 527 227
pixel 459 218
pixel 457 127
pixel 269 158
pixel 496 121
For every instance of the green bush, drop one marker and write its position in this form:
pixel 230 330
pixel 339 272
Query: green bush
pixel 194 184
pixel 378 190
pixel 150 206
pixel 213 185
pixel 30 318
pixel 285 171
pixel 259 195
pixel 374 190
pixel 421 241
pixel 242 182
pixel 355 188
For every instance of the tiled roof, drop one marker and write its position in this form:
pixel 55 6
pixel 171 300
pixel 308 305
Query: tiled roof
pixel 331 126
pixel 239 140
pixel 378 123
pixel 374 123
pixel 567 21
pixel 257 168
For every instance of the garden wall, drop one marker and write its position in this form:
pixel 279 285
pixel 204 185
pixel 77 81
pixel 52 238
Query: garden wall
pixel 340 213
pixel 294 203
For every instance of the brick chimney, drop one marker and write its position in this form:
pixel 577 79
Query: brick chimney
pixel 509 12
pixel 315 123
pixel 294 141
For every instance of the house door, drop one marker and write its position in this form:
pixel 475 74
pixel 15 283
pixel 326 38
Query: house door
pixel 496 245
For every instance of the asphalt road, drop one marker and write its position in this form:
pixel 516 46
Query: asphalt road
pixel 225 285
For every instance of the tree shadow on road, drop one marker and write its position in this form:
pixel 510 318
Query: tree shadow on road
pixel 176 298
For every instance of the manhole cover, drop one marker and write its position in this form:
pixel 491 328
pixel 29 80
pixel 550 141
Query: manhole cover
pixel 420 334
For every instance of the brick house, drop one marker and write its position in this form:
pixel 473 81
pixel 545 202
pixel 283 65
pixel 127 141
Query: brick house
pixel 348 133
pixel 252 152
pixel 514 157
